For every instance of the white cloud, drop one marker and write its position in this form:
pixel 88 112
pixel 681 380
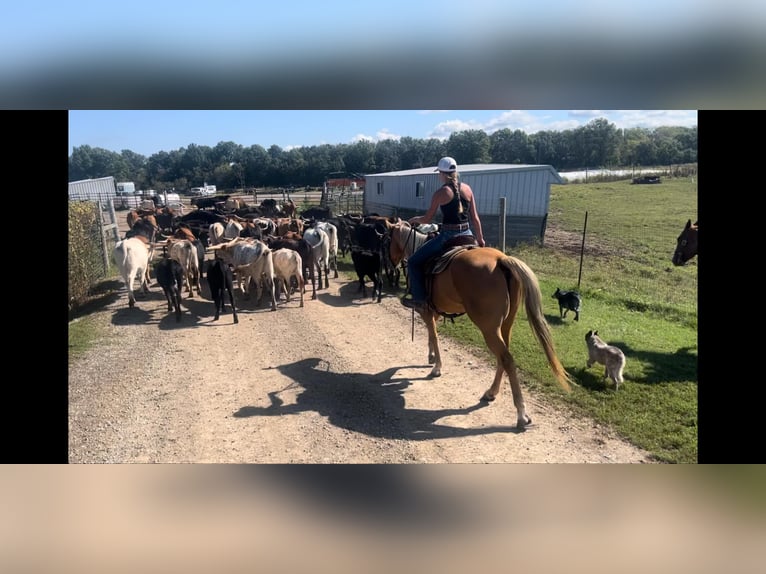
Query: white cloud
pixel 382 134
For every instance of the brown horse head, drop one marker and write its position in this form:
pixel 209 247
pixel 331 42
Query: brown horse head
pixel 686 244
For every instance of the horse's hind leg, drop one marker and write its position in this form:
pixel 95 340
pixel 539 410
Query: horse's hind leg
pixel 505 364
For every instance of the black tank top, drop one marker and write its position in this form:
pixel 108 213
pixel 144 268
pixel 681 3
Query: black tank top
pixel 450 215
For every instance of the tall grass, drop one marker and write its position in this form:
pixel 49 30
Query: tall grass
pixel 633 296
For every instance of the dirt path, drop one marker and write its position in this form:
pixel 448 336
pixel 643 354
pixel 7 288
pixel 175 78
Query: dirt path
pixel 337 381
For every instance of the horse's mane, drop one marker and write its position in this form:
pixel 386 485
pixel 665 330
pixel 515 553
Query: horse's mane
pixel 405 232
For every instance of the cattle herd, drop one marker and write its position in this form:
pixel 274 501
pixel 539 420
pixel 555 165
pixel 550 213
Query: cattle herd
pixel 267 250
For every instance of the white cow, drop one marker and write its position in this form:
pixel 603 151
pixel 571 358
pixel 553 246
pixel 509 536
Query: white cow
pixel 268 227
pixel 288 264
pixel 320 245
pixel 232 230
pixel 185 252
pixel 251 259
pixel 132 258
pixel 332 236
pixel 215 233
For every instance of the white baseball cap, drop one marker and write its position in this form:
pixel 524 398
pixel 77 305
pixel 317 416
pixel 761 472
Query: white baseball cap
pixel 447 164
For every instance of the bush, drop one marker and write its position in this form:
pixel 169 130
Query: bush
pixel 86 260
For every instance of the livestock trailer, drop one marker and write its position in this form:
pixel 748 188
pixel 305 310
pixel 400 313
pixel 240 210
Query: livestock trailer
pixel 510 198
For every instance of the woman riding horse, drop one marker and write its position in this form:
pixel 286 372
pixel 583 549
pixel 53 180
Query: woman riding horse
pixel 458 209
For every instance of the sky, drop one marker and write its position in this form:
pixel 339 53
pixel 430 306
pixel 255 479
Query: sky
pixel 304 54
pixel 147 132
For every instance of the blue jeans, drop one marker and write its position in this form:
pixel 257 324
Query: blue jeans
pixel 416 261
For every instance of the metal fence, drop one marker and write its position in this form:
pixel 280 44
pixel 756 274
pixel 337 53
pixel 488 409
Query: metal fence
pixel 635 263
pixel 92 234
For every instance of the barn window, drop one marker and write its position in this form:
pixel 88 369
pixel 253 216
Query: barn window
pixel 380 188
pixel 419 188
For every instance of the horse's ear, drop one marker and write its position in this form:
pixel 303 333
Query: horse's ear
pixel 688 224
pixel 595 332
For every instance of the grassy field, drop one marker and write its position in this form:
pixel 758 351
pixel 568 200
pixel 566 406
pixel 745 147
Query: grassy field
pixel 633 296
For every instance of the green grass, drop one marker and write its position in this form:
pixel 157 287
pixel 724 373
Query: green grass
pixel 636 300
pixel 83 333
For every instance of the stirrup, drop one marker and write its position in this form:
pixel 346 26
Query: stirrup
pixel 413 304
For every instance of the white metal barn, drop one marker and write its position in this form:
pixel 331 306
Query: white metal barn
pixel 523 191
pixel 101 189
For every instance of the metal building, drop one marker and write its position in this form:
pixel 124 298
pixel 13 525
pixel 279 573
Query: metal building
pixel 522 191
pixel 101 189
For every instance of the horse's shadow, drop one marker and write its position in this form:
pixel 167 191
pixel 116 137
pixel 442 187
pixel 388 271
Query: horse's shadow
pixel 661 367
pixel 370 404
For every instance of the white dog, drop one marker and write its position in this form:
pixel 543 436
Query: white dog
pixel 610 356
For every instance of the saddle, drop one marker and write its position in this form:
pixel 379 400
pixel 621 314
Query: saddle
pixel 441 261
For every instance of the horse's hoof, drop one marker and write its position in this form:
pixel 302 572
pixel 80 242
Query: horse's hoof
pixel 487 397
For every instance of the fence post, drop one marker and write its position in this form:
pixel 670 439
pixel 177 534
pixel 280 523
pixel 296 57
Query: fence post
pixel 582 249
pixel 501 225
pixel 104 249
pixel 113 219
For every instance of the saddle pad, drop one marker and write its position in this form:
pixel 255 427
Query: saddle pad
pixel 442 261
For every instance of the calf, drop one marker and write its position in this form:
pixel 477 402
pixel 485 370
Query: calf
pixel 568 301
pixel 145 229
pixel 306 252
pixel 320 245
pixel 187 254
pixel 251 259
pixel 132 258
pixel 220 278
pixel 332 236
pixel 288 265
pixel 170 276
pixel 367 264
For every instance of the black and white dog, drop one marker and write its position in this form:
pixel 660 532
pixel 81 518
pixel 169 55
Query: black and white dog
pixel 568 301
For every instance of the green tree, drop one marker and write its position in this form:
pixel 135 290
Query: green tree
pixel 469 146
pixel 387 155
pixel 87 162
pixel 508 146
pixel 359 157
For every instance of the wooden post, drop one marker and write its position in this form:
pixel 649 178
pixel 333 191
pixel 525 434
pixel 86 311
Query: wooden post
pixel 113 219
pixel 501 225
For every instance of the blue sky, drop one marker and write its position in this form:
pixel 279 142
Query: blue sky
pixel 239 54
pixel 150 131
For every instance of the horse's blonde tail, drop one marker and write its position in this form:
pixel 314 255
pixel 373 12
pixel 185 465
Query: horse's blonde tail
pixel 530 292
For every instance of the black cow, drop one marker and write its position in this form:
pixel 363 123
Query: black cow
pixel 367 264
pixel 220 278
pixel 320 213
pixel 170 276
pixel 208 202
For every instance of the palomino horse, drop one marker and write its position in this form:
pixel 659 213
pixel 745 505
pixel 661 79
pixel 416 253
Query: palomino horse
pixel 489 287
pixel 686 244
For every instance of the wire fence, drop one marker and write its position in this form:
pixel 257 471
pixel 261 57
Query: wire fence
pixel 631 261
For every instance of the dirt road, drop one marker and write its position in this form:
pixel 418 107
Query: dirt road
pixel 337 381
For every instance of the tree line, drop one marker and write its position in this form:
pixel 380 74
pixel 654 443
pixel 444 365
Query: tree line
pixel 228 165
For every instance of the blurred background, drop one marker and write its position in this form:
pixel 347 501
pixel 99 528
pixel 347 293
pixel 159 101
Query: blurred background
pixel 429 55
pixel 435 518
